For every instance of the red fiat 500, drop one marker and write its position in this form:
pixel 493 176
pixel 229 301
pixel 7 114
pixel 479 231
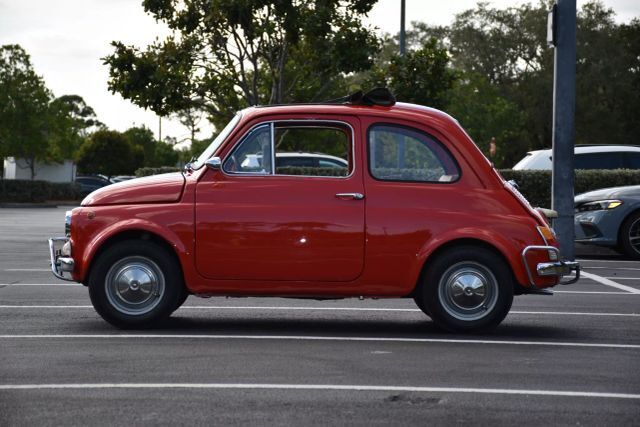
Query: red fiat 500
pixel 355 199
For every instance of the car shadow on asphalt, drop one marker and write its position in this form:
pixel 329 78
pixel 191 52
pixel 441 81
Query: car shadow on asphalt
pixel 347 328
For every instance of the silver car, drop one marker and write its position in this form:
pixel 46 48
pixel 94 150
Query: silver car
pixel 610 217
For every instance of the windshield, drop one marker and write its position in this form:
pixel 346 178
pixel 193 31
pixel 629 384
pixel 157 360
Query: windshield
pixel 206 154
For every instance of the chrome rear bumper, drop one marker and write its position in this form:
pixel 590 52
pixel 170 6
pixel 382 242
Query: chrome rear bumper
pixel 559 269
pixel 60 264
pixel 555 268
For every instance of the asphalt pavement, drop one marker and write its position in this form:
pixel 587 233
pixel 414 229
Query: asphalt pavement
pixel 568 359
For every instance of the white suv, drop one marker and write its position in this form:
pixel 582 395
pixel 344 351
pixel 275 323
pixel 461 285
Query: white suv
pixel 587 157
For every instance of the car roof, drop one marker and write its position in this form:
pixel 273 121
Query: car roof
pixel 399 110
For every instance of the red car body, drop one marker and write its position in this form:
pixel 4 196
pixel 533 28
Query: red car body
pixel 291 236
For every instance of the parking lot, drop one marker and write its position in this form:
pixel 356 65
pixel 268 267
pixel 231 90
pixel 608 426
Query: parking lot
pixel 571 358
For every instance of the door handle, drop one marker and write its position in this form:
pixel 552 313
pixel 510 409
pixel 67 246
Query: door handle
pixel 353 196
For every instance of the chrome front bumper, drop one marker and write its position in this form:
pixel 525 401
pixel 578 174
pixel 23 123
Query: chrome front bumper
pixel 556 268
pixel 60 264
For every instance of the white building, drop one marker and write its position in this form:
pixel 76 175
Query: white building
pixel 55 172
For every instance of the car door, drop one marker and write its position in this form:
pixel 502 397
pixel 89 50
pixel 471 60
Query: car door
pixel 294 223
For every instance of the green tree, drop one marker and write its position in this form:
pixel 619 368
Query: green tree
pixel 506 49
pixel 70 120
pixel 421 76
pixel 165 155
pixel 143 141
pixel 109 153
pixel 24 103
pixel 484 114
pixel 224 55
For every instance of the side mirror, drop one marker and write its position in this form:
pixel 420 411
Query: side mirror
pixel 214 163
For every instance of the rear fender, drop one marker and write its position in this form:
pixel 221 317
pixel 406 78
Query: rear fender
pixel 509 250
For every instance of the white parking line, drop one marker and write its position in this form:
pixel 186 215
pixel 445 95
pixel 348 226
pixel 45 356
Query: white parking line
pixel 68 284
pixel 622 278
pixel 593 292
pixel 609 282
pixel 312 387
pixel 296 308
pixel 318 338
pixel 607 260
pixel 612 268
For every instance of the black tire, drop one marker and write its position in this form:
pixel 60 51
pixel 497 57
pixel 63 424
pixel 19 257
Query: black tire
pixel 467 289
pixel 134 284
pixel 629 236
pixel 420 304
pixel 181 299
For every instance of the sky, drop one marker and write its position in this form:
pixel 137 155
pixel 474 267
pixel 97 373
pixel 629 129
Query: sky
pixel 67 38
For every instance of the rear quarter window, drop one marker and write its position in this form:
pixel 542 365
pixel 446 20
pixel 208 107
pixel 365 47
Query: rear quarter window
pixel 398 153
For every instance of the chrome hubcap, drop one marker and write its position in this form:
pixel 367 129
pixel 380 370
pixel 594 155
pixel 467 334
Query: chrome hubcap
pixel 134 285
pixel 468 291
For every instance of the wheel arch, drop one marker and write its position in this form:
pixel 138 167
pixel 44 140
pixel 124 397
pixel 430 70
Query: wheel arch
pixel 132 234
pixel 634 211
pixel 463 241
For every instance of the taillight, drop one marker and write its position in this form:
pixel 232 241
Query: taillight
pixel 549 237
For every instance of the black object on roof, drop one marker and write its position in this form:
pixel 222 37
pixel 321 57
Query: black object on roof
pixel 379 96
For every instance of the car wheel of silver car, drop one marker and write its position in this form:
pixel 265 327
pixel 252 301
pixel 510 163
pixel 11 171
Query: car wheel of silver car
pixel 467 288
pixel 629 236
pixel 135 283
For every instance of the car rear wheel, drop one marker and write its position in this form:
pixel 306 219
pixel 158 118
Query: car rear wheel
pixel 467 289
pixel 135 283
pixel 629 237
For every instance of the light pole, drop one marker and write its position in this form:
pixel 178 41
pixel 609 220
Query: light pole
pixel 562 30
pixel 402 31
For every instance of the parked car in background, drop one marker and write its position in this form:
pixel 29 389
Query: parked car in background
pixel 587 157
pixel 91 183
pixel 610 217
pixel 413 210
pixel 299 159
pixel 121 178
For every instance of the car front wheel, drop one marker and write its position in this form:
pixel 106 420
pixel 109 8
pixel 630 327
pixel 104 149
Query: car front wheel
pixel 467 289
pixel 629 237
pixel 135 283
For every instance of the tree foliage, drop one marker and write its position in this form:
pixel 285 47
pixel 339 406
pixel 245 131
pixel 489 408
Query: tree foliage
pixel 34 125
pixel 422 76
pixel 24 103
pixel 224 55
pixel 505 87
pixel 109 153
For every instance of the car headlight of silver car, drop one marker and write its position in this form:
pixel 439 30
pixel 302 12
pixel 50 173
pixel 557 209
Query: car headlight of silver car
pixel 599 205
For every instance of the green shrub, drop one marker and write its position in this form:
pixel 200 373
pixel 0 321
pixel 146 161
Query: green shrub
pixel 25 191
pixel 155 171
pixel 535 185
pixel 64 191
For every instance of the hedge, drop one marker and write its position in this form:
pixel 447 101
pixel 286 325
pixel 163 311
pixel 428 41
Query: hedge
pixel 25 191
pixel 535 185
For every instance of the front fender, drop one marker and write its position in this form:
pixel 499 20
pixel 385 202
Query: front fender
pixel 105 227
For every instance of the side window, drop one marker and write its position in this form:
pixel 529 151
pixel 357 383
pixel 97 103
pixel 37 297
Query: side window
pixel 318 150
pixel 401 154
pixel 633 160
pixel 300 149
pixel 253 153
pixel 599 161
